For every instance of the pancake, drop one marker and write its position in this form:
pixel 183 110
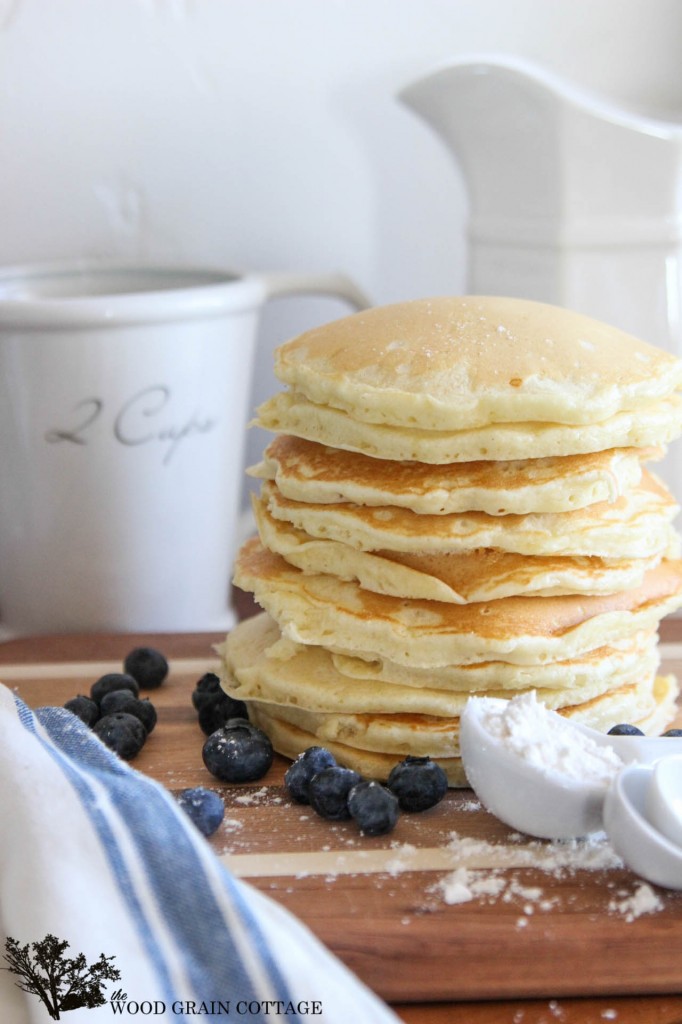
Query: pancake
pixel 251 670
pixel 292 731
pixel 457 577
pixel 290 741
pixel 657 423
pixel 310 472
pixel 438 736
pixel 457 363
pixel 590 669
pixel 323 610
pixel 636 525
pixel 650 708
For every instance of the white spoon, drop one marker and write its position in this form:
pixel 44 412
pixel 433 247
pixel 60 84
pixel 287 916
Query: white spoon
pixel 549 805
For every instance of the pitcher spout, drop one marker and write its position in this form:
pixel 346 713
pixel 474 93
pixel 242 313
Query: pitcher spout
pixel 572 200
pixel 547 163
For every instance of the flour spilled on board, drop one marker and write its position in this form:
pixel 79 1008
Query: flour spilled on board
pixel 462 868
pixel 469 882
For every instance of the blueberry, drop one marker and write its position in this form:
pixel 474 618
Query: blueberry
pixel 86 709
pixel 328 792
pixel 623 729
pixel 114 701
pixel 124 700
pixel 216 712
pixel 672 732
pixel 122 733
pixel 143 709
pixel 238 752
pixel 374 808
pixel 418 783
pixel 113 681
pixel 298 775
pixel 206 690
pixel 205 807
pixel 147 665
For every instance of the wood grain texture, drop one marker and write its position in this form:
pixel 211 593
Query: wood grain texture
pixel 484 961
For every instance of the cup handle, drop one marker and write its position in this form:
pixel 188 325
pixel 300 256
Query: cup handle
pixel 285 283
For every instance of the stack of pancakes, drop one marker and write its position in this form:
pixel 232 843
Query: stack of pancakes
pixel 458 501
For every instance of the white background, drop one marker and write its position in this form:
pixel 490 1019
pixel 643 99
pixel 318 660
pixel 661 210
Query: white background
pixel 266 134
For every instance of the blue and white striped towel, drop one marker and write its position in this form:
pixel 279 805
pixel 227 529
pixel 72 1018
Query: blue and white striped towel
pixel 96 854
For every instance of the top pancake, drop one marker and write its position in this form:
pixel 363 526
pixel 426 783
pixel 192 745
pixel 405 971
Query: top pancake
pixel 464 362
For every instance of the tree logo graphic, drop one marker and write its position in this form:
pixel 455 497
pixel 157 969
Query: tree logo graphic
pixel 60 982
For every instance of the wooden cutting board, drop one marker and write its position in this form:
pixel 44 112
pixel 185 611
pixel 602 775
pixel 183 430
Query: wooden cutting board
pixel 529 929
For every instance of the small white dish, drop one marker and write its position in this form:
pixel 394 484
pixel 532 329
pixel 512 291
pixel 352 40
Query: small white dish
pixel 645 850
pixel 518 793
pixel 664 798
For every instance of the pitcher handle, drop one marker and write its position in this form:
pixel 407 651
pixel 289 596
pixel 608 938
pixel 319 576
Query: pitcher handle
pixel 291 283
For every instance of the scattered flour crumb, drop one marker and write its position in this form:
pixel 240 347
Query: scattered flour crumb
pixel 252 797
pixel 488 885
pixel 232 824
pixel 401 861
pixel 464 884
pixel 642 901
pixel 528 892
pixel 455 887
pixel 609 1014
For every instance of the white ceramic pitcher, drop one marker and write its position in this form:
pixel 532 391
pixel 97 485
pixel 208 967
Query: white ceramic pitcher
pixel 573 201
